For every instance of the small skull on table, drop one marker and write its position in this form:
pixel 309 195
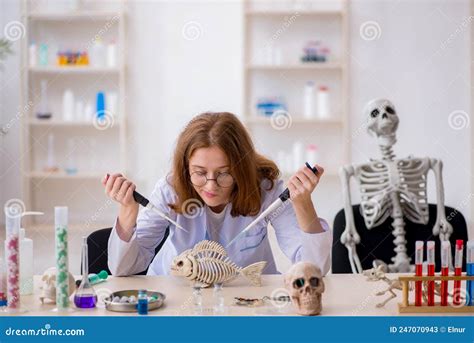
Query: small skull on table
pixel 304 283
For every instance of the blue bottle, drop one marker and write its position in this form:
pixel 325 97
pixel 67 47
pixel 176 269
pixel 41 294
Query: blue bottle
pixel 470 272
pixel 142 305
pixel 100 106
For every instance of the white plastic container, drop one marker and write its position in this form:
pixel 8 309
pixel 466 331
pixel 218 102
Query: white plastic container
pixel 79 111
pixel 89 112
pixel 68 105
pixel 33 55
pixel 308 101
pixel 312 154
pixel 322 102
pixel 98 54
pixel 26 264
pixel 277 56
pixel 112 55
pixel 50 165
pixel 298 157
pixel 111 103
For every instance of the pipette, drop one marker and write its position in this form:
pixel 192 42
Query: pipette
pixel 146 203
pixel 284 196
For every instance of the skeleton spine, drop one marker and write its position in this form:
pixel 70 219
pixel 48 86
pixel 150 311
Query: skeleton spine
pixel 387 152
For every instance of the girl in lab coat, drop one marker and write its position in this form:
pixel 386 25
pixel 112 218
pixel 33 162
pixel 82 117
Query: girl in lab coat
pixel 217 186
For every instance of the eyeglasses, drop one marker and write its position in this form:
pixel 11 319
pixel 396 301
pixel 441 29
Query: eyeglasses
pixel 223 180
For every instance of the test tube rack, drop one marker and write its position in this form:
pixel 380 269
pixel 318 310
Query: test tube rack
pixel 406 307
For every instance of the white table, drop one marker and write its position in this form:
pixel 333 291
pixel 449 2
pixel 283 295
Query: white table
pixel 345 295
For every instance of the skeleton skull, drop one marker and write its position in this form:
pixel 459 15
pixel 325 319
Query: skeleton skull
pixel 182 265
pixel 48 287
pixel 305 285
pixel 382 119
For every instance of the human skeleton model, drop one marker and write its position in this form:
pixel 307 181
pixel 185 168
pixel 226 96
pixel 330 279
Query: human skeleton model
pixel 391 187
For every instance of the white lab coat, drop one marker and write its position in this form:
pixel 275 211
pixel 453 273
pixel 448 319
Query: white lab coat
pixel 127 258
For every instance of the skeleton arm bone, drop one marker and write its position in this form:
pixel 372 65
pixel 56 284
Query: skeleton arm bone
pixel 441 221
pixel 349 237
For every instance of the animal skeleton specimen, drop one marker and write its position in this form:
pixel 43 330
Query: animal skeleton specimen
pixel 207 263
pixel 48 285
pixel 391 187
pixel 378 274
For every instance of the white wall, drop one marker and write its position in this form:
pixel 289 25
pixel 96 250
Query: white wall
pixel 420 61
pixel 171 78
pixel 9 108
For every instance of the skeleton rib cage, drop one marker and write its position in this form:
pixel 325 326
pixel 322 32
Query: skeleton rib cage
pixel 213 264
pixel 406 178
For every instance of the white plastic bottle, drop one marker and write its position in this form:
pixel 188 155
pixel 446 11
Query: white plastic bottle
pixel 308 102
pixel 112 54
pixel 88 112
pixel 26 264
pixel 298 156
pixel 111 103
pixel 322 103
pixel 312 154
pixel 50 159
pixel 68 105
pixel 98 54
pixel 79 111
pixel 33 55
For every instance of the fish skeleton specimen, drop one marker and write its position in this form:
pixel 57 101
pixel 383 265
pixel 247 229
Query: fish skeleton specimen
pixel 207 263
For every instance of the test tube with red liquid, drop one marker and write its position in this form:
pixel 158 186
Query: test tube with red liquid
pixel 418 272
pixel 430 256
pixel 445 258
pixel 457 272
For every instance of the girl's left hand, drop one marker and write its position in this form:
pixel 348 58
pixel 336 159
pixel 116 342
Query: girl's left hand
pixel 303 183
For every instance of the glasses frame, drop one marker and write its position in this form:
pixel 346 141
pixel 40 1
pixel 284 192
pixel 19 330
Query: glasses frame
pixel 208 179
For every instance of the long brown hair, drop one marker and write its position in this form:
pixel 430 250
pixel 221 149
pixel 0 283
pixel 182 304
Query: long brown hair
pixel 249 169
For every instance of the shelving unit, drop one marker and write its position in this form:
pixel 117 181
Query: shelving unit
pixel 72 70
pixel 306 66
pixel 96 150
pixel 288 25
pixel 471 33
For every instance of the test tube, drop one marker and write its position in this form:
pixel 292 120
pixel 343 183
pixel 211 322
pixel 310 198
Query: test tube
pixel 470 272
pixel 62 278
pixel 445 257
pixel 457 272
pixel 13 259
pixel 430 256
pixel 418 272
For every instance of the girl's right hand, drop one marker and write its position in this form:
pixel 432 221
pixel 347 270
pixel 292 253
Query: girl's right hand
pixel 120 189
